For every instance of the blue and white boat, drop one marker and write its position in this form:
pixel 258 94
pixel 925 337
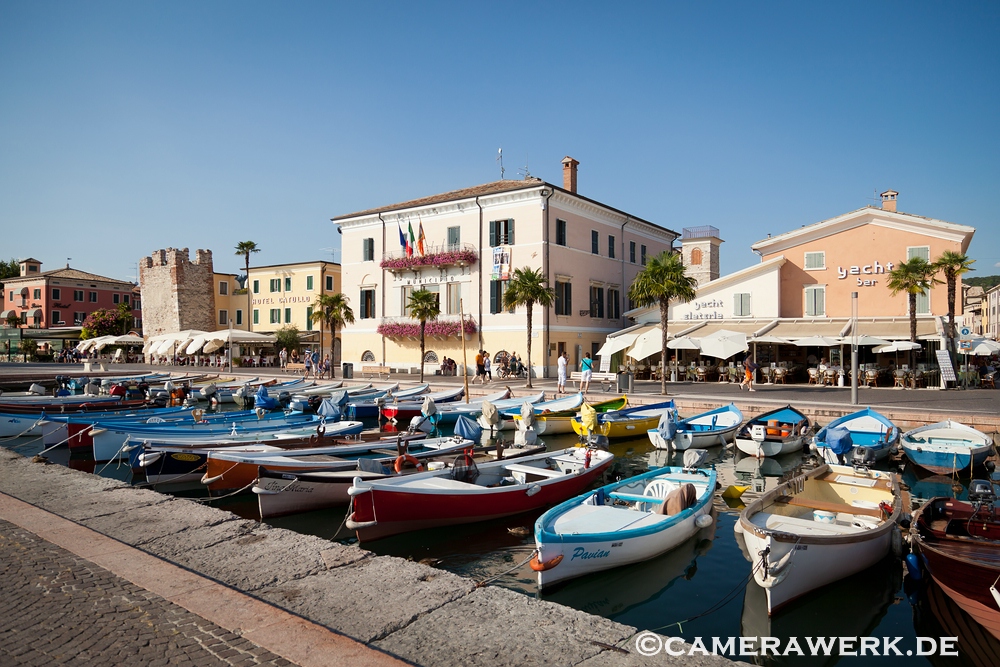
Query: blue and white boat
pixel 715 427
pixel 947 447
pixel 836 441
pixel 622 523
pixel 450 412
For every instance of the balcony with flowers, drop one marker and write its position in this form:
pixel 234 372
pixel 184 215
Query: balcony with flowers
pixel 441 329
pixel 436 256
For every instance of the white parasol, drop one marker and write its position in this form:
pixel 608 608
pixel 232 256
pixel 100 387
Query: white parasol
pixel 723 344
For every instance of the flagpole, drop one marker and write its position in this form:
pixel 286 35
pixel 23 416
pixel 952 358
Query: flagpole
pixel 465 369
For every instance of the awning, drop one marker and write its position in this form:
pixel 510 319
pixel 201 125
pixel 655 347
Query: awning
pixel 37 312
pixel 898 329
pixel 617 344
pixel 7 313
pixel 795 329
pixel 746 328
pixel 647 344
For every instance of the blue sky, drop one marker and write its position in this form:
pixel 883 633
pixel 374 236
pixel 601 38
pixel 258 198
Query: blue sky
pixel 127 127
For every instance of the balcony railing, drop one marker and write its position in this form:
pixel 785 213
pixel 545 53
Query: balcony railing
pixel 439 328
pixel 434 255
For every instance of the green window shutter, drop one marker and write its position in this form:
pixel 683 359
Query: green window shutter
pixel 510 232
pixel 256 316
pixel 309 282
pixel 309 318
pixel 493 233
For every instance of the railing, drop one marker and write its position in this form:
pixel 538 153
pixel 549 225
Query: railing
pixel 439 328
pixel 706 231
pixel 460 254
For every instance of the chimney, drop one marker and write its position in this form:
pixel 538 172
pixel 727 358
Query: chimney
pixel 569 174
pixel 889 200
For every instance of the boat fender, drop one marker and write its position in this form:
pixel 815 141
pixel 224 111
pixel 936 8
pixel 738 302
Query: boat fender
pixel 738 528
pixel 586 460
pixel 264 492
pixel 358 525
pixel 779 569
pixel 539 566
pixel 804 429
pixel 913 567
pixel 404 459
pixel 897 542
pixel 704 521
pixel 211 480
pixel 146 460
pixel 533 489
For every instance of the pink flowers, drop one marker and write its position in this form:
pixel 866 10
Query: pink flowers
pixel 446 258
pixel 439 328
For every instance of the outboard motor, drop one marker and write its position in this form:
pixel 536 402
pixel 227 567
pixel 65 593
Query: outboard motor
pixel 209 390
pixel 694 458
pixel 92 389
pixel 284 398
pixel 981 492
pixel 159 400
pixel 863 458
pixel 526 435
pixel 422 423
pixel 241 396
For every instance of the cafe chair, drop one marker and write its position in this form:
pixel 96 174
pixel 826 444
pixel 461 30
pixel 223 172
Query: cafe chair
pixel 813 375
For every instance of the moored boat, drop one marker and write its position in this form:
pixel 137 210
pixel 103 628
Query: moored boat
pixel 471 493
pixel 958 543
pixel 554 423
pixel 947 447
pixel 818 528
pixel 836 441
pixel 627 423
pixel 773 433
pixel 622 523
pixel 715 427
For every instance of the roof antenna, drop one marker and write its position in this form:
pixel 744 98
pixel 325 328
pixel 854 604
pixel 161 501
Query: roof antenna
pixel 500 160
pixel 524 170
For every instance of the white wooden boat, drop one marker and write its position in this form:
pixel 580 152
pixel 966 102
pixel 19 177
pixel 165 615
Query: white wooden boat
pixel 715 427
pixel 622 523
pixel 818 528
pixel 947 447
pixel 773 433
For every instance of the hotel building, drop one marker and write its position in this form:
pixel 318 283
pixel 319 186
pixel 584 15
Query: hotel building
pixel 471 242
pixel 285 294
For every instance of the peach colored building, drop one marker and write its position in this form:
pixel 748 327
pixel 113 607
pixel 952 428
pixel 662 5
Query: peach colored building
pixel 473 240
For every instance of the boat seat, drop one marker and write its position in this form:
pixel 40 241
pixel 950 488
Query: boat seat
pixel 532 470
pixel 605 519
pixel 800 526
pixel 828 506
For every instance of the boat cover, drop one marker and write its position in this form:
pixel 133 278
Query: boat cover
pixel 667 426
pixel 527 415
pixel 490 413
pixel 329 410
pixel 262 400
pixel 838 439
pixel 468 429
pixel 429 407
pixel 588 418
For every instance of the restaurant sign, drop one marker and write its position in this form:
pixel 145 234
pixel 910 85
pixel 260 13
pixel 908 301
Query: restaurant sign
pixel 707 309
pixel 866 270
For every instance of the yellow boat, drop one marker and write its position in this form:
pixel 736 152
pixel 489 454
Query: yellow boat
pixel 562 422
pixel 628 423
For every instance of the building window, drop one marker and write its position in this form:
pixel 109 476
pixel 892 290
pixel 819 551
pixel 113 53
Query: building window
pixel 56 293
pixel 223 318
pixel 367 355
pixel 36 293
pixel 368 250
pixel 816 301
pixel 288 284
pixel 597 302
pixel 78 318
pixel 614 304
pixel 696 257
pixel 367 304
pixel 454 298
pixel 239 317
pixel 741 305
pixel 77 295
pixel 560 232
pixel 815 261
pixel 501 232
pixel 497 289
pixel 223 288
pixel 611 246
pixel 595 242
pixel 309 283
pixel 135 305
pixel 275 285
pixel 288 315
pixel 454 238
pixel 256 316
pixel 275 315
pixel 56 318
pixel 564 298
pixel 115 298
pixel 631 252
pixel 405 302
pixel 93 297
pixel 329 283
pixel 921 251
pixel 309 318
pixel 32 268
pixel 256 287
pixel 125 298
pixel 924 303
pixel 642 255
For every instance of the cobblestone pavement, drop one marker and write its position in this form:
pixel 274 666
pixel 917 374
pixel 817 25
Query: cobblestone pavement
pixel 59 609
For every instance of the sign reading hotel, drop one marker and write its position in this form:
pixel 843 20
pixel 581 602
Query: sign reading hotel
pixel 501 263
pixel 866 270
pixel 282 299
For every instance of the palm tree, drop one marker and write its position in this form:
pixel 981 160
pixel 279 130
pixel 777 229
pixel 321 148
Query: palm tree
pixel 333 311
pixel 245 248
pixel 952 264
pixel 914 276
pixel 663 280
pixel 526 288
pixel 424 305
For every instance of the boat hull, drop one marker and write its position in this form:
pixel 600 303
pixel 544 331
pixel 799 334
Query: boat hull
pixel 776 447
pixel 943 460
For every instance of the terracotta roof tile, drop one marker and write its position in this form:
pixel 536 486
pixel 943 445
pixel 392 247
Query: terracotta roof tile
pixel 465 193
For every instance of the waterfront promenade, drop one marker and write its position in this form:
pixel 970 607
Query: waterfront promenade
pixel 99 572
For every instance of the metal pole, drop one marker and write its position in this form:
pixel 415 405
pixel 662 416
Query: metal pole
pixel 465 370
pixel 230 352
pixel 854 348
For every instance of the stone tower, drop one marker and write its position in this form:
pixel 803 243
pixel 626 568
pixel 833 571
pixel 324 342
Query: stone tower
pixel 700 251
pixel 177 294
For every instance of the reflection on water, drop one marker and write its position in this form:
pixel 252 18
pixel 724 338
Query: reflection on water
pixel 660 594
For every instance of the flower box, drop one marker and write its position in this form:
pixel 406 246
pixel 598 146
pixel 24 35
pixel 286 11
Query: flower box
pixel 437 259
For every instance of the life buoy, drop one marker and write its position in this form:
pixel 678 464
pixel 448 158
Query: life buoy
pixel 404 459
pixel 539 566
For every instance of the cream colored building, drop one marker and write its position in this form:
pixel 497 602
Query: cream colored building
pixel 230 302
pixel 286 294
pixel 474 239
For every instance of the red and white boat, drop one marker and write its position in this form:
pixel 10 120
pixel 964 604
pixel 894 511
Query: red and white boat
pixel 408 409
pixel 466 494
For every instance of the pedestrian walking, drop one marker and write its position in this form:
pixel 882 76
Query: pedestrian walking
pixel 487 368
pixel 561 378
pixel 587 367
